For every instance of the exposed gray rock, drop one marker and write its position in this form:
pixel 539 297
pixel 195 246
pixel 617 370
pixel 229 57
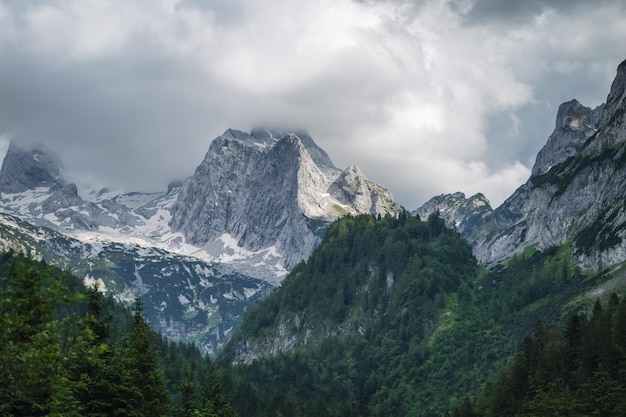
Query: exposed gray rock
pixel 575 123
pixel 24 170
pixel 576 192
pixel 265 191
pixel 460 213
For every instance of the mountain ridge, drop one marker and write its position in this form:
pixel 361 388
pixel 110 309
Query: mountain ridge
pixel 576 186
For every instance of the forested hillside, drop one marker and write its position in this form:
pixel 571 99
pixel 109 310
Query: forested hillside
pixel 68 351
pixel 393 316
pixel 352 330
pixel 390 316
pixel 575 372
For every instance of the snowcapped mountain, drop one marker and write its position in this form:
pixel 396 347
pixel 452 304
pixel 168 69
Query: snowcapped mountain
pixel 185 298
pixel 205 250
pixel 258 199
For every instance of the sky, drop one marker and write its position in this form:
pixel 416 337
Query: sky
pixel 426 96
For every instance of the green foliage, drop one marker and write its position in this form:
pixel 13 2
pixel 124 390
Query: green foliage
pixel 366 267
pixel 578 372
pixel 68 351
pixel 535 283
pixel 379 288
pixel 392 316
pixel 33 372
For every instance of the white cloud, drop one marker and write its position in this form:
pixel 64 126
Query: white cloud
pixel 409 91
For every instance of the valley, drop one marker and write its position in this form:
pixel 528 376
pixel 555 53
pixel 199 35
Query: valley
pixel 318 294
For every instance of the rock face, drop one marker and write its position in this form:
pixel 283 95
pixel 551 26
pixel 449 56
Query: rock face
pixel 24 170
pixel 575 123
pixel 260 200
pixel 575 193
pixel 466 215
pixel 267 190
pixel 184 298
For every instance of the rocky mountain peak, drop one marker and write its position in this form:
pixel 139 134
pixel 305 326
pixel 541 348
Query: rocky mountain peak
pixel 575 193
pixel 572 115
pixel 617 94
pixel 457 211
pixel 575 123
pixel 25 169
pixel 614 114
pixel 266 189
pixel 319 156
pixel 359 195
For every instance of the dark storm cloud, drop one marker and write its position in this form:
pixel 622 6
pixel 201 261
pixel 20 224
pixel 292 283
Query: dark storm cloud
pixel 518 11
pixel 125 113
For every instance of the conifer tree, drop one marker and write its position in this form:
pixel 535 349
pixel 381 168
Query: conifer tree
pixel 187 393
pixel 143 362
pixel 33 378
pixel 214 402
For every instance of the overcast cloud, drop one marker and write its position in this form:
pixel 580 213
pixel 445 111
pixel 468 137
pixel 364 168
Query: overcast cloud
pixel 425 96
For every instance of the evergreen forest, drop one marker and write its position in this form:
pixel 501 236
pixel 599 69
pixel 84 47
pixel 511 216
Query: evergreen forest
pixel 578 371
pixel 390 316
pixel 66 350
pixel 393 316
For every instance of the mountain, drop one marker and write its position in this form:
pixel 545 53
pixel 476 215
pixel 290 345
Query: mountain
pixel 269 191
pixel 395 316
pixel 24 170
pixel 575 192
pixel 353 324
pixel 185 298
pixel 259 201
pixel 466 215
pixel 357 274
pixel 201 253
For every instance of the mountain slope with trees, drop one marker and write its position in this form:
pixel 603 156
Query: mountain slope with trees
pixel 578 371
pixel 393 316
pixel 68 351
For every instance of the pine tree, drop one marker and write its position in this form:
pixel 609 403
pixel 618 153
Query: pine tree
pixel 143 362
pixel 33 378
pixel 187 396
pixel 214 402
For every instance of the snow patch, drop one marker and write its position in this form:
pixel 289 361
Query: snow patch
pixel 92 282
pixel 183 300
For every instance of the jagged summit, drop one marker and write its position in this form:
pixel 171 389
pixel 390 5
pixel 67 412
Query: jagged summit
pixel 617 95
pixel 575 193
pixel 459 212
pixel 264 188
pixel 268 190
pixel 575 123
pixel 25 169
pixel 271 136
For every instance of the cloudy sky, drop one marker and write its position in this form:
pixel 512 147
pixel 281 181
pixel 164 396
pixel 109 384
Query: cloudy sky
pixel 425 96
